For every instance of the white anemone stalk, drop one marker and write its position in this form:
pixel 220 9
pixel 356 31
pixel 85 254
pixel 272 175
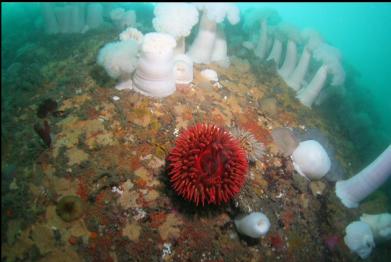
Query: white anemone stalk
pixel 202 47
pixel 308 94
pixel 290 60
pixel 94 15
pixel 63 15
pixel 358 187
pixel 261 48
pixel 77 13
pixel 51 24
pixel 275 53
pixel 220 49
pixel 295 80
pixel 314 40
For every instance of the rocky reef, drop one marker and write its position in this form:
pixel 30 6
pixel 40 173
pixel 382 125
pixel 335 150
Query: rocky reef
pixel 108 151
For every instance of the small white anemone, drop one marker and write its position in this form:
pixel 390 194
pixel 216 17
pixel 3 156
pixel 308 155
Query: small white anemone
pixel 183 69
pixel 119 59
pixel 310 159
pixel 253 225
pixel 209 75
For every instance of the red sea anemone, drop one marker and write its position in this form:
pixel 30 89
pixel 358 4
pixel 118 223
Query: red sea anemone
pixel 207 164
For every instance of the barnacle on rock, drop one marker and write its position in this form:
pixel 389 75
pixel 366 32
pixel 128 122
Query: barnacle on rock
pixel 69 208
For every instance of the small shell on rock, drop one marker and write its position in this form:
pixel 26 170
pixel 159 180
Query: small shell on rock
pixel 317 187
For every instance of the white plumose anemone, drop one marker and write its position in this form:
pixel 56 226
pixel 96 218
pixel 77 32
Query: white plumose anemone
pixel 380 225
pixel 119 59
pixel 176 19
pixel 155 74
pixel 122 18
pixel 359 238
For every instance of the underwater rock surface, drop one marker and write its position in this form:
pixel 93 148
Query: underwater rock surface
pixel 101 191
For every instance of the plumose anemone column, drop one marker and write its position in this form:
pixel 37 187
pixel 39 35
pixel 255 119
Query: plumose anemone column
pixel 358 187
pixel 219 54
pixel 295 80
pixel 260 50
pixel 51 24
pixel 155 72
pixel 290 60
pixel 330 58
pixel 201 49
pixel 204 45
pixel 309 93
pixel 94 15
pixel 276 52
pixel 314 40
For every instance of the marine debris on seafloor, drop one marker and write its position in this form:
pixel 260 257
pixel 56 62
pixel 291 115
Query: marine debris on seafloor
pixel 106 189
pixel 46 107
pixel 43 132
